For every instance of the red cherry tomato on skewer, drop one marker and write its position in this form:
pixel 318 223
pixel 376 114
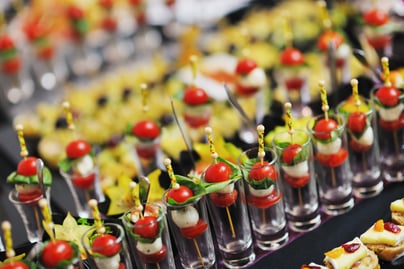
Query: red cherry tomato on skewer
pixel 55 252
pixel 324 127
pixel 147 227
pixel 194 231
pixel 106 245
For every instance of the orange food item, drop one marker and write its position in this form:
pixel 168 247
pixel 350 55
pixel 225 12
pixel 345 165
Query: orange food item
pixel 379 226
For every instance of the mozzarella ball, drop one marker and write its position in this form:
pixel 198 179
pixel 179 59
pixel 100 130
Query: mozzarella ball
pixel 261 192
pixel 298 170
pixel 391 114
pixel 228 189
pixel 256 78
pixel 26 188
pixel 329 148
pixel 366 138
pixel 108 263
pixel 150 248
pixel 185 217
pixel 84 165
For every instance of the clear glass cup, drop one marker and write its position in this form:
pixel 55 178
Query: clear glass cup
pixel 197 117
pixel 189 225
pixel 149 240
pixel 232 226
pixel 83 188
pixel 148 155
pixel 113 255
pixel 30 213
pixel 390 133
pixel 264 198
pixel 332 167
pixel 363 148
pixel 299 185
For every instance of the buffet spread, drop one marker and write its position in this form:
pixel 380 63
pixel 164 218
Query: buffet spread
pixel 143 135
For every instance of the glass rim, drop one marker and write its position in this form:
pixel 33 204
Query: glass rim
pixel 274 156
pixel 179 206
pixel 12 196
pixel 368 102
pixel 340 120
pixel 86 235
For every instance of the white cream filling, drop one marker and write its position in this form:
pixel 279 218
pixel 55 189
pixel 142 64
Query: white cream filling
pixel 391 114
pixel 150 248
pixel 297 170
pixel 108 262
pixel 256 78
pixel 185 217
pixel 329 148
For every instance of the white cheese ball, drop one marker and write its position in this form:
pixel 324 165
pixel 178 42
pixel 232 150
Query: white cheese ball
pixel 256 78
pixel 84 165
pixel 297 170
pixel 261 192
pixel 26 188
pixel 150 248
pixel 108 263
pixel 329 148
pixel 391 114
pixel 367 137
pixel 228 189
pixel 185 217
pixel 343 51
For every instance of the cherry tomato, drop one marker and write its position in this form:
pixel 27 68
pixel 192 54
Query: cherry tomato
pixel 223 199
pixel 380 41
pixel 218 172
pixel 141 18
pixel 292 57
pixel 146 151
pixel 290 152
pixel 35 31
pixel 27 167
pixel 326 37
pixel 194 231
pixel 196 122
pixel 25 197
pixel 376 17
pixel 11 65
pixel 106 245
pixel 294 84
pixel 83 182
pixel 332 160
pixel 297 182
pixel 146 129
pixel 55 252
pixel 181 194
pixel 264 202
pixel 388 95
pixel 78 148
pixel 109 24
pixel 147 227
pixel 261 171
pixel 46 52
pixel 356 122
pixel 392 125
pixel 107 3
pixel 195 96
pixel 153 258
pixel 75 13
pixel 122 266
pixel 245 66
pixel 245 90
pixel 6 43
pixel 324 127
pixel 14 265
pixel 136 2
pixel 357 147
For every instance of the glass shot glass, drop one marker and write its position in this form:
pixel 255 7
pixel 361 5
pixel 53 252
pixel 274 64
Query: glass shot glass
pixel 148 236
pixel 232 227
pixel 298 186
pixel 189 225
pixel 107 250
pixel 332 167
pixel 363 148
pixel 264 198
pixel 390 133
pixel 31 215
pixel 84 187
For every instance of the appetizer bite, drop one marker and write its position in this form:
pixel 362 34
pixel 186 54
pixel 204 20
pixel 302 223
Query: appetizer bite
pixel 250 78
pixel 353 254
pixel 386 239
pixel 397 211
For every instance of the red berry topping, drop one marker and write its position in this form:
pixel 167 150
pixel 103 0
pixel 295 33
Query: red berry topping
pixel 324 40
pixel 195 96
pixel 218 172
pixel 245 66
pixel 351 248
pixel 376 17
pixel 391 227
pixel 292 56
pixel 27 167
pixel 146 129
pixel 388 95
pixel 78 148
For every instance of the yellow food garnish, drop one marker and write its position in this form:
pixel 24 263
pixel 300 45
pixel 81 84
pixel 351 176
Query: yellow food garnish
pixel 335 253
pixel 379 226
